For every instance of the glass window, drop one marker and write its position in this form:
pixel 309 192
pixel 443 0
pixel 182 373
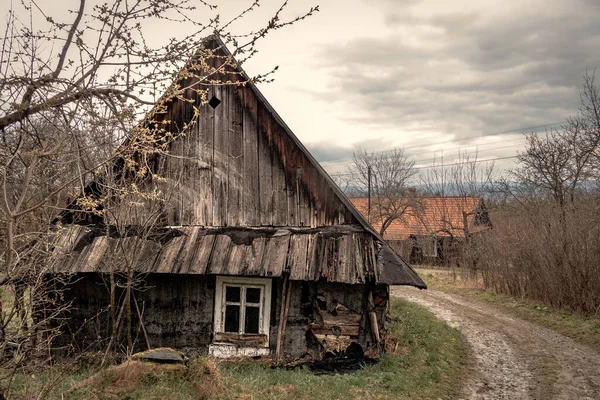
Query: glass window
pixel 232 293
pixel 242 309
pixel 252 319
pixel 252 295
pixel 232 318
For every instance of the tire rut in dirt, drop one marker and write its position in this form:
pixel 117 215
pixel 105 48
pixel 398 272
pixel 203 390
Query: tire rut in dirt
pixel 512 358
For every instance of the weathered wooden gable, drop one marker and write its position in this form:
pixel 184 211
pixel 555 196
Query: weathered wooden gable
pixel 239 165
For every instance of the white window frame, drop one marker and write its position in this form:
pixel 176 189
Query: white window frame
pixel 265 303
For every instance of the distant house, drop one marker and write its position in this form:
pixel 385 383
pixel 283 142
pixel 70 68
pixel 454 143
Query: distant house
pixel 430 230
pixel 258 249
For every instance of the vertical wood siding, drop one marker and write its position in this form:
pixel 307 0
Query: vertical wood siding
pixel 238 166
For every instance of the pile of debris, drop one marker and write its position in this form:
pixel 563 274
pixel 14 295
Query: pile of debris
pixel 338 362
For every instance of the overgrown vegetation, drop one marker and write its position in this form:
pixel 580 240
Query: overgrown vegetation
pixel 545 244
pixel 547 253
pixel 584 328
pixel 544 241
pixel 425 360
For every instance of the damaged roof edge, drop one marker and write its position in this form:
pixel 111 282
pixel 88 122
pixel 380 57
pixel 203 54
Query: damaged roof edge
pixel 398 272
pixel 405 275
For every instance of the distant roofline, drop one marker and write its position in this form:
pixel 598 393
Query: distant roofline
pixel 422 197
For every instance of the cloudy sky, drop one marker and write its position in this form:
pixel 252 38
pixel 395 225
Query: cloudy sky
pixel 433 76
pixel 436 77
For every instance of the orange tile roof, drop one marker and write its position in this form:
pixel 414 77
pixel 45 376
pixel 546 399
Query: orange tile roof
pixel 424 216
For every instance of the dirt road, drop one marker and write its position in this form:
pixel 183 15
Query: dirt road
pixel 513 358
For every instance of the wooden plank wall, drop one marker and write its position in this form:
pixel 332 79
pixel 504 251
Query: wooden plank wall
pixel 238 166
pixel 233 172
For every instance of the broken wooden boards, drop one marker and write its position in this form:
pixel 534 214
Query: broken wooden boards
pixel 336 254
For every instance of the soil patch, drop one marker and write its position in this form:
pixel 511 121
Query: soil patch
pixel 513 358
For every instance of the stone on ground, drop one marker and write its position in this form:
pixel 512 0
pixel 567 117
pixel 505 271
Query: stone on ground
pixel 163 355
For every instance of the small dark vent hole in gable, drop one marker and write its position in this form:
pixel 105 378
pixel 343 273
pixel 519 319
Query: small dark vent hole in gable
pixel 214 102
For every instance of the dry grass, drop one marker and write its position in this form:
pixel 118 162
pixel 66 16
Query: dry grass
pixel 545 253
pixel 130 380
pixel 426 361
pixel 122 380
pixel 206 378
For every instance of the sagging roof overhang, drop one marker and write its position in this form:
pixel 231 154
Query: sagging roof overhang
pixel 345 254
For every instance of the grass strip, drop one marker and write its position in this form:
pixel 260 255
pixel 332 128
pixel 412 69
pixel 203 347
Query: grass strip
pixel 426 359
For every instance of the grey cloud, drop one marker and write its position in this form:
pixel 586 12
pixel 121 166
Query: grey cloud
pixel 474 73
pixel 328 151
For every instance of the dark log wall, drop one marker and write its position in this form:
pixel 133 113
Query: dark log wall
pixel 178 312
pixel 238 166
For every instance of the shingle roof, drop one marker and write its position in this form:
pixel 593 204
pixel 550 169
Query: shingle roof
pixel 340 253
pixel 425 216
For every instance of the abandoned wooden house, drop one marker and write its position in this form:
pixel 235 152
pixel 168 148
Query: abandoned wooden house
pixel 257 251
pixel 429 230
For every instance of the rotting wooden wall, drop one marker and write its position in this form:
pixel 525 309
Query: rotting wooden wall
pixel 448 252
pixel 238 166
pixel 178 312
pixel 326 316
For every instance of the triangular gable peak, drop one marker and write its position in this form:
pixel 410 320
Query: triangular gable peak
pixel 239 164
pixel 233 164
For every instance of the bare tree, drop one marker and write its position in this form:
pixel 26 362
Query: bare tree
pixel 460 189
pixel 134 221
pixel 561 161
pixel 544 243
pixel 103 56
pixel 390 174
pixel 467 176
pixel 71 90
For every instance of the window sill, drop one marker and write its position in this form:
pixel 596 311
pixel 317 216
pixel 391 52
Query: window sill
pixel 226 350
pixel 246 339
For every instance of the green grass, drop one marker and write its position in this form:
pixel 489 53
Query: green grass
pixel 427 363
pixel 426 360
pixel 580 327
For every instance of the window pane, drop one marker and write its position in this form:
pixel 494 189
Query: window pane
pixel 252 295
pixel 232 319
pixel 252 316
pixel 232 293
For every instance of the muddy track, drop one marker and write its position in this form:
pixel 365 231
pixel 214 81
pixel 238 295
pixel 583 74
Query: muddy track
pixel 512 358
